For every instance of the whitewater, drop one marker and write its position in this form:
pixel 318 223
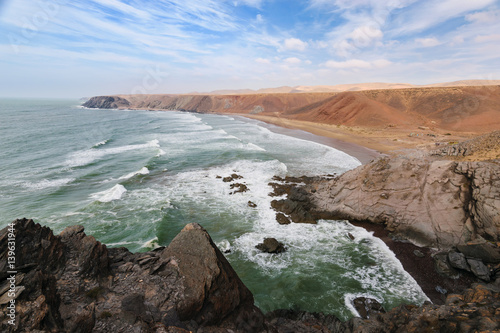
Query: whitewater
pixel 136 178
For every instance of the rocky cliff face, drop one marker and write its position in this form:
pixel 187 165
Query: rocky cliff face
pixel 434 203
pixel 72 283
pixel 106 102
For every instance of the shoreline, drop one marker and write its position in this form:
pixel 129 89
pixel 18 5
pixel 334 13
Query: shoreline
pixel 370 142
pixel 422 269
pixel 360 152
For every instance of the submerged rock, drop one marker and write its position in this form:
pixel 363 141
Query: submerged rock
pixel 271 245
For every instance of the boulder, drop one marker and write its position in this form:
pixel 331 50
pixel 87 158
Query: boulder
pixel 212 289
pixel 367 307
pixel 479 269
pixel 443 267
pixel 457 260
pixel 282 219
pixel 482 250
pixel 271 245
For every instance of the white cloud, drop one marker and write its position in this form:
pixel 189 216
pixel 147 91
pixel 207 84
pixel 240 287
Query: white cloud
pixel 293 61
pixel 294 44
pixel 484 17
pixel 349 64
pixel 381 63
pixel 263 61
pixel 358 64
pixel 428 42
pixel 487 38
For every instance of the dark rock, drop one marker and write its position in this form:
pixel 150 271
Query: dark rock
pixel 282 219
pixel 484 251
pixel 271 245
pixel 106 102
pixel 251 204
pixel 231 178
pixel 297 212
pixel 479 269
pixel 458 260
pixel 68 279
pixel 213 292
pixel 351 237
pixel 443 267
pixel 240 188
pixel 367 307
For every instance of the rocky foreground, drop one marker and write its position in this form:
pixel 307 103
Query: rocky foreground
pixel 73 283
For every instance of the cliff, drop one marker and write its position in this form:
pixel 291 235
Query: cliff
pixel 464 109
pixel 432 202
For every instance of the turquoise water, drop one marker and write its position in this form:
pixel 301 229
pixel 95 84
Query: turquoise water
pixel 136 178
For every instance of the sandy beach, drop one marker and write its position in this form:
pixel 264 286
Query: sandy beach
pixel 369 143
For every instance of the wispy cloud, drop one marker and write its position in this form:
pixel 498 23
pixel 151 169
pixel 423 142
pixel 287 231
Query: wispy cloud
pixel 209 44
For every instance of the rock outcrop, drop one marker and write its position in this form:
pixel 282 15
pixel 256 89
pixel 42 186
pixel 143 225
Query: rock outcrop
pixel 73 283
pixel 107 102
pixel 431 202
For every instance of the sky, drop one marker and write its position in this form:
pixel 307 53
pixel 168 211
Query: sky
pixel 78 48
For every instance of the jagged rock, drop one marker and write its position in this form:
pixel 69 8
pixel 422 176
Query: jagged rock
pixel 294 209
pixel 481 250
pixel 474 311
pixel 282 219
pixel 479 269
pixel 431 202
pixel 457 260
pixel 212 290
pixel 443 267
pixel 252 204
pixel 271 245
pixel 240 188
pixel 73 283
pixel 229 179
pixel 367 307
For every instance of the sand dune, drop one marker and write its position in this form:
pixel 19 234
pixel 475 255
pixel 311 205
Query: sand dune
pixel 352 87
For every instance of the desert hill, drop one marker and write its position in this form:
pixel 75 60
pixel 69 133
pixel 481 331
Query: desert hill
pixel 463 109
pixel 473 109
pixel 352 87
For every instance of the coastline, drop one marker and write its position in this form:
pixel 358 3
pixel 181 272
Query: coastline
pixel 421 267
pixel 363 153
pixel 389 140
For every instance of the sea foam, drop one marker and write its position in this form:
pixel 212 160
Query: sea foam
pixel 114 193
pixel 143 171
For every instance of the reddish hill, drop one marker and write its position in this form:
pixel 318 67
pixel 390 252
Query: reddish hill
pixel 466 109
pixel 474 109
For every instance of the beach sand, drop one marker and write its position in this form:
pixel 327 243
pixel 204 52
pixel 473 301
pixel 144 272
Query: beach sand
pixel 368 143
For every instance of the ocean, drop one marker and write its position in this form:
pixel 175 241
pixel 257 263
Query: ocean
pixel 136 178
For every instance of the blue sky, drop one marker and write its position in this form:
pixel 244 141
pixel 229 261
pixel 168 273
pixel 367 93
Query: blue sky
pixel 75 48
